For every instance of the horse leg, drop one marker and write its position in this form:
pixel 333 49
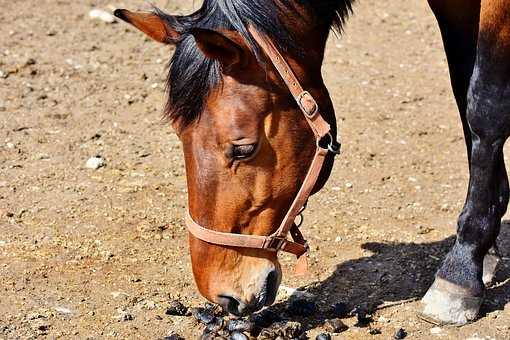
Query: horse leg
pixel 457 292
pixel 493 258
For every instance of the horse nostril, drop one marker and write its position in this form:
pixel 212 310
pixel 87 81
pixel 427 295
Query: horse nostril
pixel 231 304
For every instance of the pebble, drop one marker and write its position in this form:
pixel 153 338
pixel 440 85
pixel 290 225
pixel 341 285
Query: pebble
pixel 339 310
pixel 302 307
pixel 400 334
pixel 176 308
pixel 374 331
pixel 238 336
pixel 63 310
pixel 323 336
pixel 124 316
pixel 117 295
pixel 102 15
pixel 436 330
pixel 335 326
pixel 95 163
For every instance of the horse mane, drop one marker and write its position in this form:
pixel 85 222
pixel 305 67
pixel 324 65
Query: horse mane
pixel 191 75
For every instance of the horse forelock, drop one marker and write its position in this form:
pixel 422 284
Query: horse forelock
pixel 192 76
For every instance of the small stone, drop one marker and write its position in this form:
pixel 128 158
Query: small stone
pixel 203 315
pixel 335 326
pixel 124 316
pixel 148 304
pixel 176 308
pixel 117 295
pixel 323 336
pixel 63 310
pixel 400 334
pixel 339 310
pixel 102 15
pixel 95 163
pixel 374 331
pixel 436 330
pixel 302 307
pixel 238 336
pixel 382 319
pixel 348 185
pixel 30 61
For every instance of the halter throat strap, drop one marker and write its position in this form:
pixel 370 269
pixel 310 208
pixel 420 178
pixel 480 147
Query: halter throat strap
pixel 278 240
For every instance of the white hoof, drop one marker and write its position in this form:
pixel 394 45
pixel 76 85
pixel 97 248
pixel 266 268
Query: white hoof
pixel 448 303
pixel 490 262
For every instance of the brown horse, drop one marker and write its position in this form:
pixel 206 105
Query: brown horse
pixel 247 146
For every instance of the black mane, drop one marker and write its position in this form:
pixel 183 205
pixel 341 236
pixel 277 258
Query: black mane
pixel 191 75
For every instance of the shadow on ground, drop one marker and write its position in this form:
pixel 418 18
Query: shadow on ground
pixel 396 272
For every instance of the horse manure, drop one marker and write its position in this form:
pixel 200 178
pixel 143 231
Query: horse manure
pixel 238 336
pixel 208 336
pixel 215 325
pixel 335 326
pixel 362 315
pixel 323 336
pixel 176 308
pixel 374 331
pixel 400 334
pixel 203 315
pixel 302 307
pixel 265 318
pixel 284 329
pixel 339 310
pixel 173 337
pixel 240 325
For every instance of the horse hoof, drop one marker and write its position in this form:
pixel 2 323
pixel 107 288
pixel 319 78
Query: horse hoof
pixel 490 262
pixel 446 303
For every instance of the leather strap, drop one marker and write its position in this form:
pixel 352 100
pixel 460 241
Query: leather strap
pixel 278 240
pixel 304 99
pixel 270 243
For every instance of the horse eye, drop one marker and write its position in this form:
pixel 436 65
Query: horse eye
pixel 243 151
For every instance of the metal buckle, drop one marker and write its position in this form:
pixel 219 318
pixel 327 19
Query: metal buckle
pixel 306 94
pixel 333 146
pixel 276 243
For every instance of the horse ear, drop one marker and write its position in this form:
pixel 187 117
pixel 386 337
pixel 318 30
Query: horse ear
pixel 217 45
pixel 151 24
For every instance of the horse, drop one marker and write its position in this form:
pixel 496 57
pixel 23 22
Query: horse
pixel 249 149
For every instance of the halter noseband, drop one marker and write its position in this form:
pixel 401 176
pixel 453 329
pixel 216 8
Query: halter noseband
pixel 278 240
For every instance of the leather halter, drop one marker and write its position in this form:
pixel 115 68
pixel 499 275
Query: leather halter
pixel 278 240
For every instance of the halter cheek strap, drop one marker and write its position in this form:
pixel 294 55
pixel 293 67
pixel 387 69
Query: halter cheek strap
pixel 278 240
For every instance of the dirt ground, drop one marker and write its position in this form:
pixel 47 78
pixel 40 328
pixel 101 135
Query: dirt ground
pixel 82 252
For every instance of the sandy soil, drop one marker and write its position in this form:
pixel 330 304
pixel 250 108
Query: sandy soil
pixel 81 249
